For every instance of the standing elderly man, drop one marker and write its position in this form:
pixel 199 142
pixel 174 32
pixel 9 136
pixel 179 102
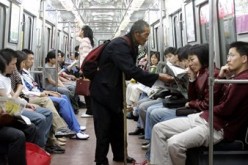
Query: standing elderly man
pixel 118 57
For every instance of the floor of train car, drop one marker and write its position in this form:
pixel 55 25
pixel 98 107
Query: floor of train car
pixel 81 152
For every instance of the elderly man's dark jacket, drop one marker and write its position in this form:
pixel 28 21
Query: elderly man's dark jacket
pixel 118 56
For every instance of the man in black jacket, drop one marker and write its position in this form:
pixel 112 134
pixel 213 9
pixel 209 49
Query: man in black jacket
pixel 118 57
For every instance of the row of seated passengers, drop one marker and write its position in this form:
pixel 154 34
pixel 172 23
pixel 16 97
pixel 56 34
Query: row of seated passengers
pixel 169 136
pixel 47 122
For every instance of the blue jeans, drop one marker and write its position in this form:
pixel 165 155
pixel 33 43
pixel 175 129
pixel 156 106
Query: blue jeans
pixel 42 118
pixel 148 127
pixel 143 108
pixel 67 112
pixel 62 90
pixel 137 110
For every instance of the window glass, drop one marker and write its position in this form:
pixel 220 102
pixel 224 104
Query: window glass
pixel 27 31
pixel 241 9
pixel 177 30
pixel 226 26
pixel 204 23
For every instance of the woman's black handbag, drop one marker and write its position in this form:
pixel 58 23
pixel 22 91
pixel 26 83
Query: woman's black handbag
pixel 174 102
pixel 184 111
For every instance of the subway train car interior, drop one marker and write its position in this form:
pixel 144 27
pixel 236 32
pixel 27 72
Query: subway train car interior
pixel 177 55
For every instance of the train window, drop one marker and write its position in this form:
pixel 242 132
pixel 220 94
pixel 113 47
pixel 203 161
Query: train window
pixel 204 23
pixel 226 26
pixel 241 9
pixel 154 37
pixel 27 30
pixel 190 22
pixel 2 24
pixel 177 30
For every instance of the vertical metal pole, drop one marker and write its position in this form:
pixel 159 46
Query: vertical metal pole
pixel 149 40
pixel 124 117
pixel 21 33
pixel 211 79
pixel 147 54
pixel 161 27
pixel 69 41
pixel 56 48
pixel 43 41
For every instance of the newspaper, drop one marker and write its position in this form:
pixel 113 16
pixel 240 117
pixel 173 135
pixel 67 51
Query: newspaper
pixel 180 76
pixel 175 70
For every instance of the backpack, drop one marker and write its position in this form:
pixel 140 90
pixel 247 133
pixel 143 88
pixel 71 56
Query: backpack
pixel 90 65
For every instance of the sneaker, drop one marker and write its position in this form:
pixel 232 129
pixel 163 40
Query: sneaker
pixel 61 143
pixel 145 147
pixel 82 128
pixel 64 132
pixel 84 115
pixel 81 136
pixel 62 139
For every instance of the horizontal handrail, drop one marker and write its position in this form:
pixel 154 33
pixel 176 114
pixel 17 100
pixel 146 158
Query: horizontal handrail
pixel 221 81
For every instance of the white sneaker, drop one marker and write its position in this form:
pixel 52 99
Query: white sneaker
pixel 82 136
pixel 84 115
pixel 82 128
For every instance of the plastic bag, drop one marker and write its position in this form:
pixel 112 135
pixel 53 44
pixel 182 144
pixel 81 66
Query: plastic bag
pixel 35 155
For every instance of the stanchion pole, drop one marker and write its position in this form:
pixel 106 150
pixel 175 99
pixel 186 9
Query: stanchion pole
pixel 124 117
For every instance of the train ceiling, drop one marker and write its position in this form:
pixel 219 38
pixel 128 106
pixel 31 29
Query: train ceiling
pixel 106 17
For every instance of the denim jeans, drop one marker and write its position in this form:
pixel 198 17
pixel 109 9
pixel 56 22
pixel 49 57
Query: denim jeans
pixel 67 112
pixel 42 118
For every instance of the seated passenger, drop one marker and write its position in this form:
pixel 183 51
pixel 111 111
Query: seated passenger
pixel 134 90
pixel 13 137
pixel 57 85
pixel 171 139
pixel 66 110
pixel 176 57
pixel 41 117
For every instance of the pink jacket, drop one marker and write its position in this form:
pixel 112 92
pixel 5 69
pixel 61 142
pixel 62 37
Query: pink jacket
pixel 84 49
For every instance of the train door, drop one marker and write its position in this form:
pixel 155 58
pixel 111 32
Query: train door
pixel 27 31
pixel 2 25
pixel 226 27
pixel 177 23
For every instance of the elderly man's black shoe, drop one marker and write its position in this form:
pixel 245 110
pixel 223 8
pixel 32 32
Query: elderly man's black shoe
pixel 138 131
pixel 129 159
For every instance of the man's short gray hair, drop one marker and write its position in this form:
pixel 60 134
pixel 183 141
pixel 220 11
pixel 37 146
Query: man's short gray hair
pixel 139 26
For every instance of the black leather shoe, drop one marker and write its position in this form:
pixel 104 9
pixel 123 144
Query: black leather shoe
pixel 129 160
pixel 138 131
pixel 102 164
pixel 55 149
pixel 131 116
pixel 76 111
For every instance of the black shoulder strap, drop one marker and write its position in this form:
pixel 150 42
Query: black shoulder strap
pixel 127 39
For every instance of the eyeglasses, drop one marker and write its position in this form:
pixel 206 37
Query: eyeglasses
pixel 230 55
